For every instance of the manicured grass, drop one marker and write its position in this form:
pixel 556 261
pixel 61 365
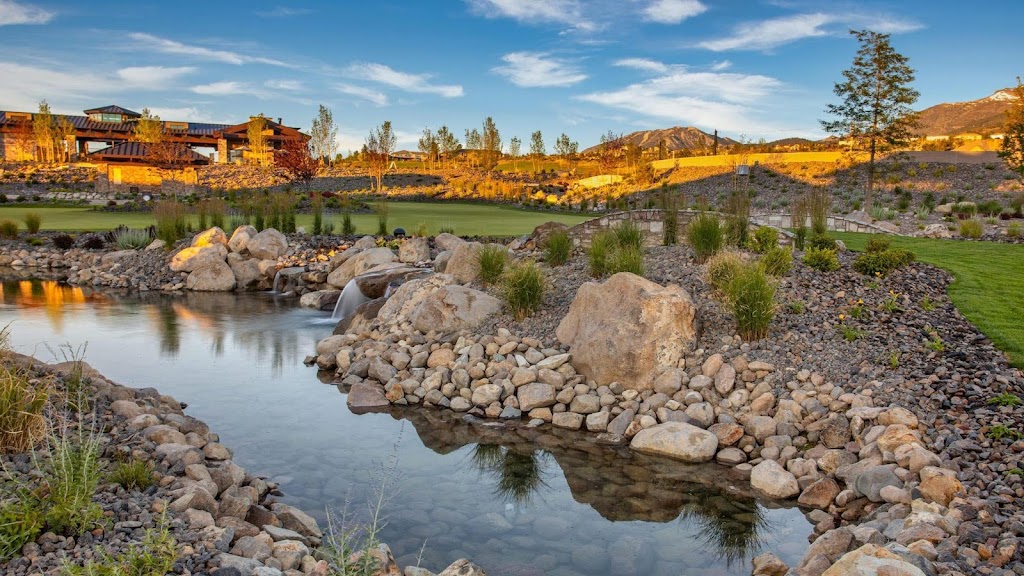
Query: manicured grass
pixel 988 288
pixel 465 219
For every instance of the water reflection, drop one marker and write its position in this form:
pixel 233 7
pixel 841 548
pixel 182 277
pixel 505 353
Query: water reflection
pixel 517 473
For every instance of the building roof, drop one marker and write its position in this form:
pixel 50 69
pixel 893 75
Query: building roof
pixel 84 123
pixel 113 109
pixel 137 152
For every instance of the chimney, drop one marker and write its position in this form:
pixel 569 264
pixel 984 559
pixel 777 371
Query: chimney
pixel 278 120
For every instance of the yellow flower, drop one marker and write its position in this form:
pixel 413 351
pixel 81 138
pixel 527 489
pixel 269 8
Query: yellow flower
pixel 860 301
pixel 842 316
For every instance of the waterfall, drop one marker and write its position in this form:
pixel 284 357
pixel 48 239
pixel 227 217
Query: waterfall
pixel 350 299
pixel 277 277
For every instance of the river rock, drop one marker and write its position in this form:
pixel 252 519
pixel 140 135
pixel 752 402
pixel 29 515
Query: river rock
pixel 240 238
pixel 414 250
pixel 366 397
pixel 447 242
pixel 214 276
pixel 941 489
pixel 624 329
pixel 267 245
pixel 535 395
pixel 464 263
pixel 454 308
pixel 209 237
pixel 359 264
pixel 320 299
pixel 872 560
pixel 462 567
pixel 188 259
pixel 247 273
pixel 676 440
pixel 774 480
pixel 374 285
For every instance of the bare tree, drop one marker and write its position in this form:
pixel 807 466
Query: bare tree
pixel 514 146
pixel 169 155
pixel 323 135
pixel 379 146
pixel 428 147
pixel 537 151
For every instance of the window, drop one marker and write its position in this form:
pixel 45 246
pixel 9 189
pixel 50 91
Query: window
pixel 177 127
pixel 102 117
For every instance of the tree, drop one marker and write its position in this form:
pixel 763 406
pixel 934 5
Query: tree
pixel 428 147
pixel 379 146
pixel 537 151
pixel 24 140
pixel 608 151
pixel 323 135
pixel 1012 150
pixel 297 160
pixel 490 144
pixel 44 128
pixel 148 128
pixel 562 146
pixel 662 150
pixel 169 155
pixel 257 139
pixel 514 145
pixel 474 143
pixel 875 111
pixel 447 143
pixel 64 131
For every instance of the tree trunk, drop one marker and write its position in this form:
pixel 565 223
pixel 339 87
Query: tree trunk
pixel 871 178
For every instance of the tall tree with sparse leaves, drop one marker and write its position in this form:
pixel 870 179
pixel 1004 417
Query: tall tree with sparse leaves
pixel 428 147
pixel 380 144
pixel 448 145
pixel 44 127
pixel 1012 150
pixel 490 144
pixel 514 146
pixel 537 151
pixel 148 128
pixel 323 136
pixel 875 111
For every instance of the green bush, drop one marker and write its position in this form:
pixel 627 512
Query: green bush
pixel 627 259
pixel 9 229
pixel 722 267
pixel 21 521
pixel 821 259
pixel 557 248
pixel 751 297
pixel 990 208
pixel 316 202
pixel 764 239
pixel 171 222
pixel 382 217
pixel 601 246
pixel 737 222
pixel 347 228
pixel 491 259
pixel 822 242
pixel 73 475
pixel 22 423
pixel 128 239
pixel 878 243
pixel 970 228
pixel 523 288
pixel 705 235
pixel 628 235
pixel 32 222
pixel 1013 230
pixel 154 556
pixel 777 261
pixel 133 474
pixel 882 263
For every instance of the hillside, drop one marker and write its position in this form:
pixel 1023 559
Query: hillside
pixel 675 138
pixel 984 116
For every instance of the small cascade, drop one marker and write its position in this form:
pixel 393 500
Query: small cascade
pixel 277 278
pixel 350 299
pixel 391 287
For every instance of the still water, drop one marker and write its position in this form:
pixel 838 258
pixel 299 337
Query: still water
pixel 518 502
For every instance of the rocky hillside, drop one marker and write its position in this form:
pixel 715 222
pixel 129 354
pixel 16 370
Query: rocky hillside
pixel 984 116
pixel 675 138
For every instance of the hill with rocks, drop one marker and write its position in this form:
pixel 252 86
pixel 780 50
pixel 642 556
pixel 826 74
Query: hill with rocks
pixel 983 116
pixel 675 138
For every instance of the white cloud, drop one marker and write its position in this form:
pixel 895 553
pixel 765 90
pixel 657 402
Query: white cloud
pixel 768 34
pixel 167 46
pixel 284 12
pixel 189 113
pixel 673 11
pixel 291 85
pixel 418 83
pixel 223 88
pixel 377 98
pixel 12 12
pixel 644 64
pixel 721 65
pixel 712 100
pixel 537 69
pixel 152 76
pixel 534 11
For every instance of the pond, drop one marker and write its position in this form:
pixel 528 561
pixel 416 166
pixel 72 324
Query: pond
pixel 516 500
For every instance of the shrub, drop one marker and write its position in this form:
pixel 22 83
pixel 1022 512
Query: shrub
pixel 557 248
pixel 822 242
pixel 878 243
pixel 705 235
pixel 491 259
pixel 446 229
pixel 738 222
pixel 133 474
pixel 22 423
pixel 990 208
pixel 628 235
pixel 627 259
pixel 217 207
pixel 970 228
pixel 1013 230
pixel 63 241
pixel 382 216
pixel 21 521
pixel 93 242
pixel 128 239
pixel 722 267
pixel 33 241
pixel 421 230
pixel 171 222
pixel 523 288
pixel 9 229
pixel 800 237
pixel 882 263
pixel 818 203
pixel 670 230
pixel 32 222
pixel 764 239
pixel 72 477
pixel 821 259
pixel 777 261
pixel 317 204
pixel 601 247
pixel 751 296
pixel 347 228
pixel 154 556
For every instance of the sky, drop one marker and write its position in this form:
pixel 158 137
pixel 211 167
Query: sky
pixel 750 69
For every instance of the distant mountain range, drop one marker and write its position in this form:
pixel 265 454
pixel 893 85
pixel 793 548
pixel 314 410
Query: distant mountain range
pixel 984 116
pixel 675 138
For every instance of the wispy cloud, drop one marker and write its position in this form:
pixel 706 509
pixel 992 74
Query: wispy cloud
pixel 155 77
pixel 721 65
pixel 538 69
pixel 190 113
pixel 167 46
pixel 223 88
pixel 290 85
pixel 12 12
pixel 417 83
pixel 768 34
pixel 567 12
pixel 374 96
pixel 644 64
pixel 673 11
pixel 284 12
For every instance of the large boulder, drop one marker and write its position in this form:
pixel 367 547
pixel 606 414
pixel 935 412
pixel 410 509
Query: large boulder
pixel 210 237
pixel 464 263
pixel 240 238
pixel 247 274
pixel 414 250
pixel 872 560
pixel 624 329
pixel 403 302
pixel 447 242
pixel 188 259
pixel 320 299
pixel 267 245
pixel 361 318
pixel 541 233
pixel 213 276
pixel 367 397
pixel 774 480
pixel 676 440
pixel 358 264
pixel 375 284
pixel 935 231
pixel 454 308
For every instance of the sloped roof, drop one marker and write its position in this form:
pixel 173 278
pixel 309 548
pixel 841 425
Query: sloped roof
pixel 84 123
pixel 113 109
pixel 138 151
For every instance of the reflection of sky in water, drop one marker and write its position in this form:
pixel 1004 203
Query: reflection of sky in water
pixel 519 503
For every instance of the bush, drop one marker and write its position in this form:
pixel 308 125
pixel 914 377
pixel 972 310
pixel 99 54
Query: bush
pixel 317 204
pixel 601 246
pixel 446 229
pixel 133 474
pixel 9 229
pixel 491 259
pixel 970 228
pixel 628 235
pixel 705 235
pixel 990 208
pixel 821 259
pixel 93 242
pixel 32 222
pixel 777 261
pixel 22 423
pixel 154 556
pixel 347 228
pixel 557 248
pixel 63 241
pixel 751 296
pixel 73 475
pixel 737 227
pixel 382 216
pixel 722 267
pixel 523 288
pixel 33 241
pixel 1013 230
pixel 882 263
pixel 627 259
pixel 128 239
pixel 818 203
pixel 171 221
pixel 822 242
pixel 878 243
pixel 764 239
pixel 21 521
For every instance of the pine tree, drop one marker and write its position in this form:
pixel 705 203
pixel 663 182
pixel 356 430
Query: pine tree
pixel 1012 150
pixel 875 112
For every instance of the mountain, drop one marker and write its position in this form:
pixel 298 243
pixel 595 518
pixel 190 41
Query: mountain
pixel 675 138
pixel 984 116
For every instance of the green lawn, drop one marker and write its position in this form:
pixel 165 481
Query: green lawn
pixel 466 219
pixel 988 287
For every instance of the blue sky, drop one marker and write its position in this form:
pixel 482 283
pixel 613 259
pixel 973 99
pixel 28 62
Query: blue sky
pixel 750 69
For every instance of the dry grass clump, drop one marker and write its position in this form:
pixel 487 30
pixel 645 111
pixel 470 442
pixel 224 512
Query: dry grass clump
pixel 491 259
pixel 22 400
pixel 523 288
